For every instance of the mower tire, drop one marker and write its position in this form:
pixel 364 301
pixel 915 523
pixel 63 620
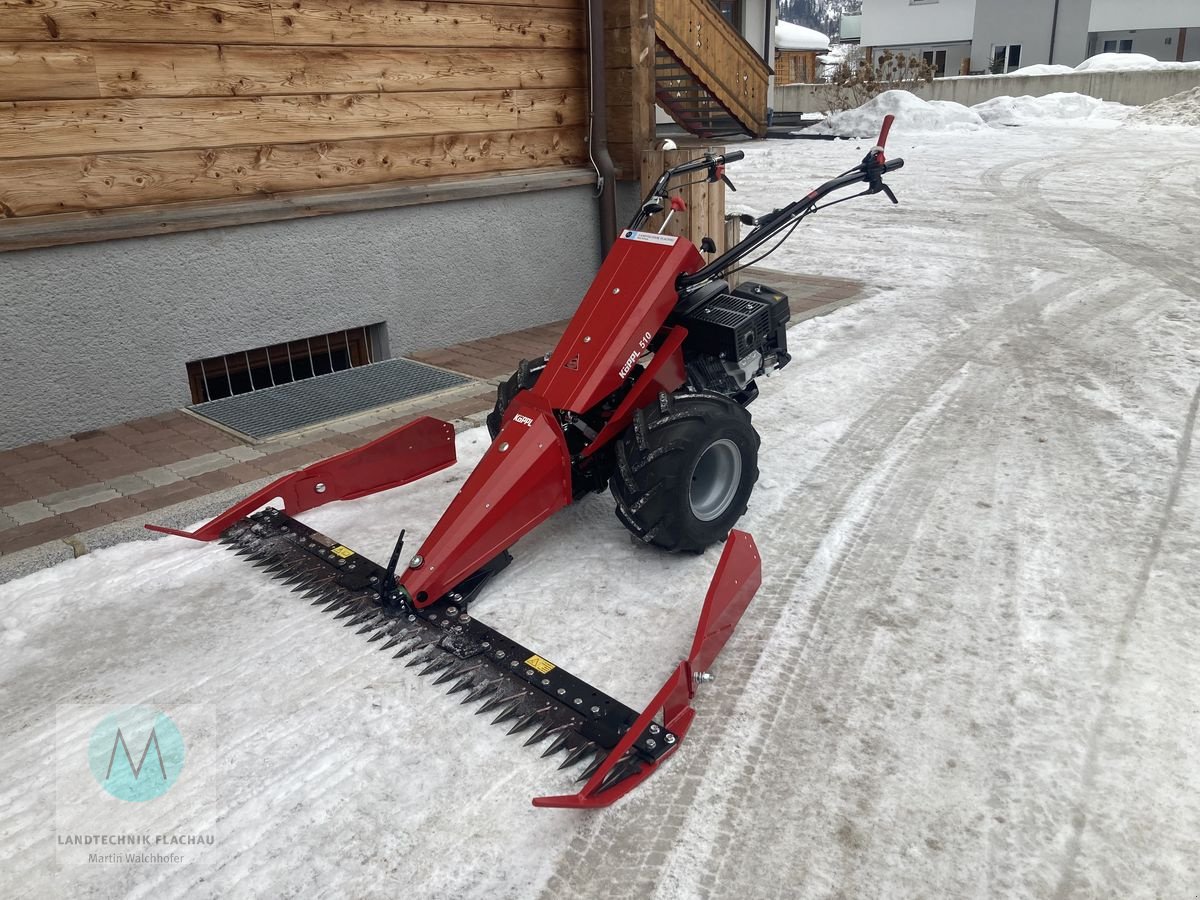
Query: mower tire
pixel 524 378
pixel 685 468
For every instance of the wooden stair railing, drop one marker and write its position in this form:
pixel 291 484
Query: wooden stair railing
pixel 710 80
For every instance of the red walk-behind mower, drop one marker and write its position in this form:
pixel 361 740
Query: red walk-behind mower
pixel 646 394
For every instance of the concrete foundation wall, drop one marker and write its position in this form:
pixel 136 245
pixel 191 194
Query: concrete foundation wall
pixel 94 334
pixel 1131 88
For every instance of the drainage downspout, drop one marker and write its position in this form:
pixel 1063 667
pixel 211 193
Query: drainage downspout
pixel 606 187
pixel 1053 30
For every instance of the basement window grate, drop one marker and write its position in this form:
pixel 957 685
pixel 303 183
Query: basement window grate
pixel 308 402
pixel 265 367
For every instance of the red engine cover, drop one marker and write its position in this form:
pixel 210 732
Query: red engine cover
pixel 628 302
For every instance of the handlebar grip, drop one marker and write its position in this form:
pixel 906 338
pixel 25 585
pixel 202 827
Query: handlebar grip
pixel 893 164
pixel 734 156
pixel 883 132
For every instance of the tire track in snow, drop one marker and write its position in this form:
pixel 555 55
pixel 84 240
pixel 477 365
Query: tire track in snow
pixel 1030 197
pixel 1113 670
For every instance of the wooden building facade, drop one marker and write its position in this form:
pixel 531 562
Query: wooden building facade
pixel 112 104
pixel 248 173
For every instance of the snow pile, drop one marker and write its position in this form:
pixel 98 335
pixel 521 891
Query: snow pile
pixel 789 36
pixel 911 112
pixel 1178 109
pixel 1129 62
pixel 1044 69
pixel 1059 107
pixel 1114 62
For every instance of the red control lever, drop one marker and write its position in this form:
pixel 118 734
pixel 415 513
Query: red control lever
pixel 883 132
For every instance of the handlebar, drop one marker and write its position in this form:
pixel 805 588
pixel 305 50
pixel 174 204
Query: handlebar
pixel 655 200
pixel 869 172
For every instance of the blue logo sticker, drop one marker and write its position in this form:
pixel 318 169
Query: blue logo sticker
pixel 136 754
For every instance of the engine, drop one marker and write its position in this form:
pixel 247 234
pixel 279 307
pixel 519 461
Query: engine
pixel 734 337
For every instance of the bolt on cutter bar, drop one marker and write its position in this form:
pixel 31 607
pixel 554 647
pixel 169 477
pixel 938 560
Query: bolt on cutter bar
pixel 644 393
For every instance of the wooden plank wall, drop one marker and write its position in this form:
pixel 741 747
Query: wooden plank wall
pixel 705 215
pixel 629 67
pixel 110 104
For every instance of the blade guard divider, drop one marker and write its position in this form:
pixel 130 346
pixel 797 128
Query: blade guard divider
pixel 523 478
pixel 412 451
pixel 736 580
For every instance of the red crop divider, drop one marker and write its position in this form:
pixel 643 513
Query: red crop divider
pixel 412 451
pixel 737 578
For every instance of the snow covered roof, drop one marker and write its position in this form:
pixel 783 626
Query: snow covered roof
pixel 797 37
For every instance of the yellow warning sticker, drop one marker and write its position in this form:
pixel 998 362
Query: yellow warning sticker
pixel 339 550
pixel 542 665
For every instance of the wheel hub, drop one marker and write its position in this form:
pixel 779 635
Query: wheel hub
pixel 715 479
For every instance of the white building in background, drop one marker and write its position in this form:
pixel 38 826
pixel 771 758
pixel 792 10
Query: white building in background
pixel 938 30
pixel 979 36
pixel 1164 29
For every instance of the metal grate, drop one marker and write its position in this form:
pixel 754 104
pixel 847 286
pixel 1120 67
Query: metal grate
pixel 251 370
pixel 289 407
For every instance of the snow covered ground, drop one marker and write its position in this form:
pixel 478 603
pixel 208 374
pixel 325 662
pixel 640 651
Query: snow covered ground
pixel 971 670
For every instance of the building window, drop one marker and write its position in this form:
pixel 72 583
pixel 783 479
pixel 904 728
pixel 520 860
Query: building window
pixel 1125 46
pixel 731 10
pixel 936 60
pixel 264 367
pixel 1005 58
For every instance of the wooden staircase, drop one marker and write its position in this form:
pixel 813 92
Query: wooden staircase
pixel 707 77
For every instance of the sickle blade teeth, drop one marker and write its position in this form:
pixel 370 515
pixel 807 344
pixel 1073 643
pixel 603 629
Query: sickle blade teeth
pixel 577 754
pixel 557 744
pixel 348 611
pixel 359 619
pixel 462 684
pixel 428 657
pixel 437 664
pixel 404 651
pixel 509 712
pixel 542 730
pixel 524 722
pixel 491 704
pixel 590 769
pixel 380 633
pixel 482 690
pixel 623 769
pixel 338 601
pixel 397 638
pixel 450 673
pixel 371 618
pixel 529 719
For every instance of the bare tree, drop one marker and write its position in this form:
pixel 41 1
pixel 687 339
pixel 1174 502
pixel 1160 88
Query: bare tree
pixel 857 79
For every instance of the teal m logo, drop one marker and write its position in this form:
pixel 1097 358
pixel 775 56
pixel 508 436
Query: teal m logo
pixel 136 754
